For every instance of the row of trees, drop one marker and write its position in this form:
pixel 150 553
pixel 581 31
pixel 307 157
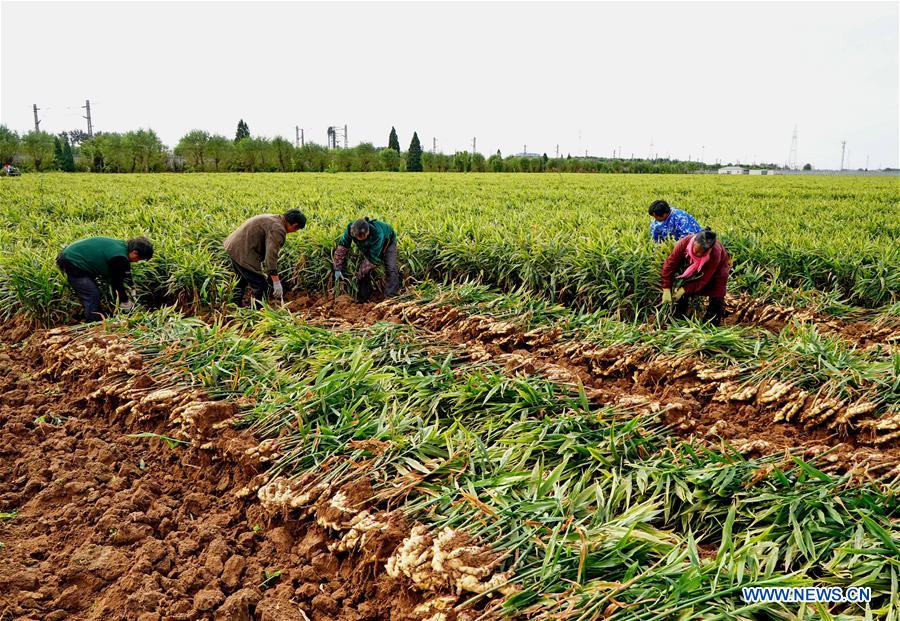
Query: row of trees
pixel 200 151
pixel 136 151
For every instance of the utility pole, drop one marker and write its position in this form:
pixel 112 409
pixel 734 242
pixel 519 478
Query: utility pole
pixel 37 124
pixel 843 148
pixel 434 145
pixel 346 140
pixel 473 146
pixel 702 152
pixel 793 162
pixel 867 161
pixel 87 106
pixel 557 151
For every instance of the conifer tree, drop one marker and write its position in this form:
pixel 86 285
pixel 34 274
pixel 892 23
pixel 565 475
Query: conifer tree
pixel 393 141
pixel 414 156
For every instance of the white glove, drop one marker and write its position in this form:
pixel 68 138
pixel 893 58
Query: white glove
pixel 278 289
pixel 126 307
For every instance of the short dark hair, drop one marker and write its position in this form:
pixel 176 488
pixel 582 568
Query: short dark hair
pixel 706 238
pixel 143 247
pixel 295 216
pixel 659 207
pixel 359 227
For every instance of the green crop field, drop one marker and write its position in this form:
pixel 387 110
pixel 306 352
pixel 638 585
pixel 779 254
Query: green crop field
pixel 578 239
pixel 520 432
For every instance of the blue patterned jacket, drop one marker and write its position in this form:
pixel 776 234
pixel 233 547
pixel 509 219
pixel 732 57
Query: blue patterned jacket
pixel 679 224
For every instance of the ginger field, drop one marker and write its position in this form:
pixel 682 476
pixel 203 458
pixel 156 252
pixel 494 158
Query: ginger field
pixel 578 239
pixel 522 433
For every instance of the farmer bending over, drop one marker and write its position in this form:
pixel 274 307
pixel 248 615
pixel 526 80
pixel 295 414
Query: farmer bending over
pixel 256 242
pixel 703 264
pixel 102 257
pixel 377 243
pixel 668 222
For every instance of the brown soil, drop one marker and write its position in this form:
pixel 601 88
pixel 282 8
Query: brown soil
pixel 744 310
pixel 694 404
pixel 100 524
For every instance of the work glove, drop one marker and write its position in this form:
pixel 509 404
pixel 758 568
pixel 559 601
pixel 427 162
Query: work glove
pixel 679 293
pixel 667 296
pixel 338 275
pixel 126 307
pixel 278 290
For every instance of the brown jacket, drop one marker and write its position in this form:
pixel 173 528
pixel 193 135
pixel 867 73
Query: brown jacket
pixel 257 240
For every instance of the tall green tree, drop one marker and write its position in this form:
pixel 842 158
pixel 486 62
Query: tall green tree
pixel 389 159
pixel 414 155
pixel 393 141
pixel 193 147
pixel 9 145
pixel 38 146
pixel 219 149
pixel 251 154
pixel 284 153
pixel 243 131
pixel 311 158
pixel 57 153
pixel 62 153
pixel 144 150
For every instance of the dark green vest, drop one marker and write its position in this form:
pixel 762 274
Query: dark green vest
pixel 381 234
pixel 94 253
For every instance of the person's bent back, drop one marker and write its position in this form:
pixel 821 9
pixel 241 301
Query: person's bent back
pixel 86 260
pixel 254 247
pixel 670 223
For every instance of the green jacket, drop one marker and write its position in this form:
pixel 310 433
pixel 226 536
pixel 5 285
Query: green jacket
pixel 99 256
pixel 372 248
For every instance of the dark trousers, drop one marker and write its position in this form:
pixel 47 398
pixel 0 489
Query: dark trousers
pixel 392 279
pixel 259 284
pixel 85 288
pixel 714 314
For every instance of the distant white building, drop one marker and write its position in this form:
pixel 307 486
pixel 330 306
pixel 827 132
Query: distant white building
pixel 734 170
pixel 762 171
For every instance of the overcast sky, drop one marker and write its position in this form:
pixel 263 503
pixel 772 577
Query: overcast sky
pixel 725 80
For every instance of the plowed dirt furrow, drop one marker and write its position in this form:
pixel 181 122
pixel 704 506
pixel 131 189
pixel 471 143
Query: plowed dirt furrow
pixel 696 400
pixel 744 310
pixel 125 499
